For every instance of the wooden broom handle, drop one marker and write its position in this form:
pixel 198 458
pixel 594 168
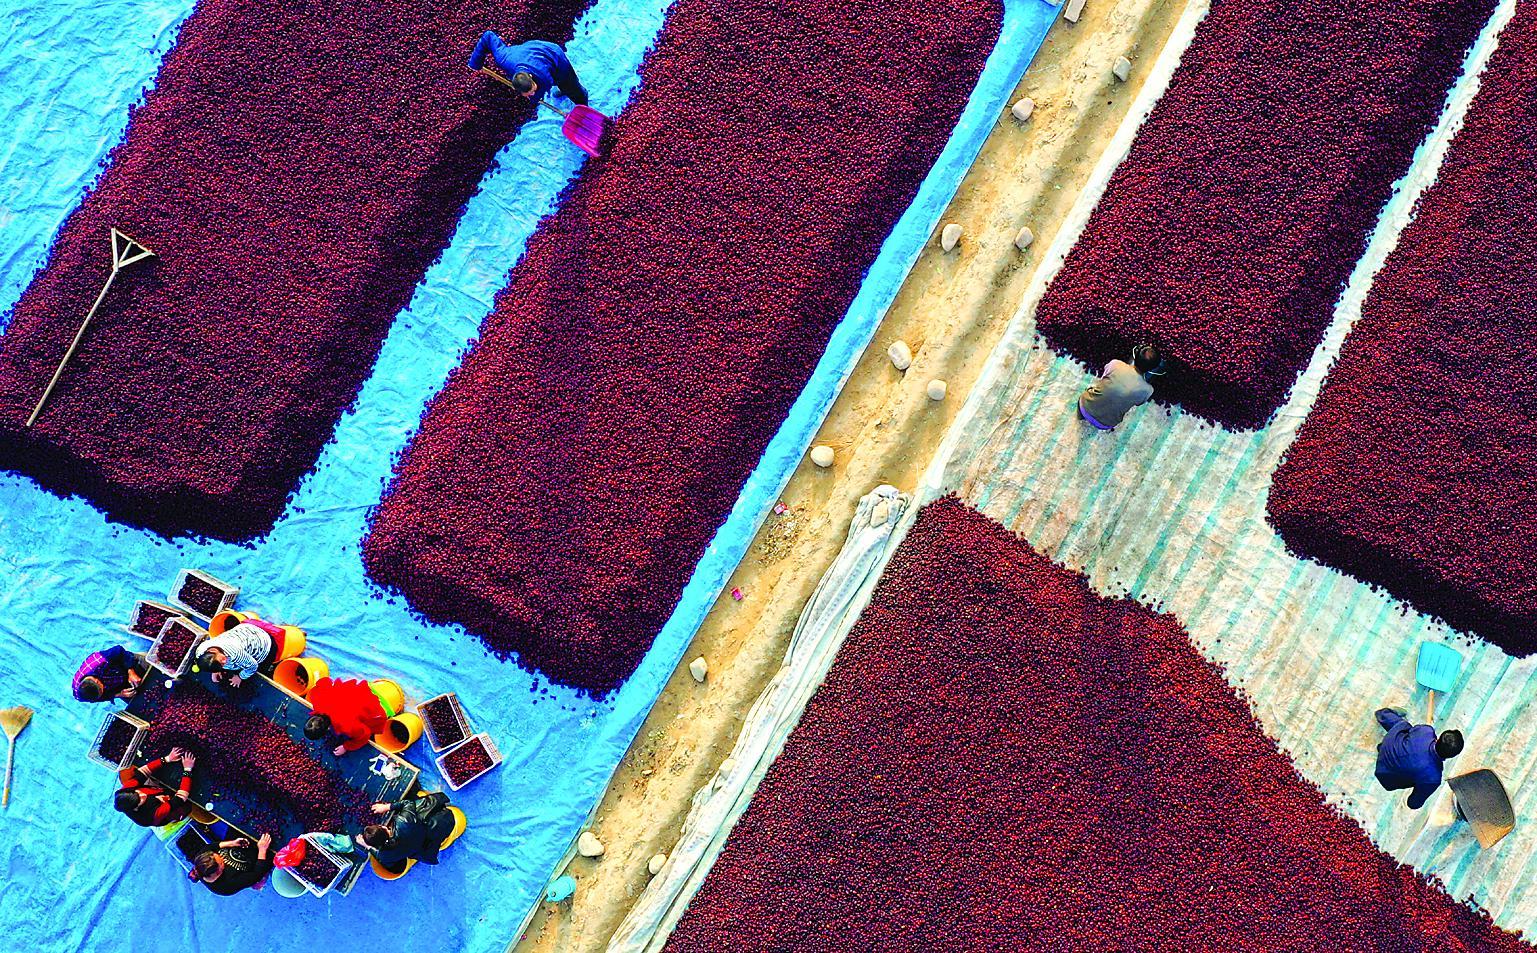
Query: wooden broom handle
pixel 499 78
pixel 59 371
pixel 10 760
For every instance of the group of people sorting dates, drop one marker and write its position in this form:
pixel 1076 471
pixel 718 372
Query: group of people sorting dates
pixel 346 715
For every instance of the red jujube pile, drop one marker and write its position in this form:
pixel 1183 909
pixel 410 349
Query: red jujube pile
pixel 1417 466
pixel 296 168
pixel 1000 759
pixel 1228 233
pixel 243 755
pixel 567 480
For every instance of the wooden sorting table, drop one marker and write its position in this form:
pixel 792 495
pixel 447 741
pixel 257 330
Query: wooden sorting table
pixel 380 775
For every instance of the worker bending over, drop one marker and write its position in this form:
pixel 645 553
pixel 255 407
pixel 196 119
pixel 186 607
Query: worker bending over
pixel 240 652
pixel 347 710
pixel 1410 756
pixel 230 866
pixel 145 798
pixel 113 673
pixel 1123 386
pixel 412 829
pixel 533 67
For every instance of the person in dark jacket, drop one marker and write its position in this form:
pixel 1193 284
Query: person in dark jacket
pixel 533 66
pixel 231 866
pixel 112 673
pixel 413 829
pixel 146 798
pixel 1411 756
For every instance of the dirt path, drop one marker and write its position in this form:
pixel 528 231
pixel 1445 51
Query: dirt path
pixel 951 311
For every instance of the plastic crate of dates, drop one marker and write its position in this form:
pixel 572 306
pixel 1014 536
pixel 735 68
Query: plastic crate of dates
pixel 202 594
pixel 445 721
pixel 175 645
pixel 320 870
pixel 468 760
pixel 118 741
pixel 149 617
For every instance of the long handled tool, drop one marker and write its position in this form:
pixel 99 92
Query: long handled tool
pixel 583 125
pixel 1437 670
pixel 12 720
pixel 125 251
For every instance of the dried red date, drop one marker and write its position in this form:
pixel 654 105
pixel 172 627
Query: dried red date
pixel 442 723
pixel 316 867
pixel 178 641
pixel 569 477
pixel 149 618
pixel 204 598
pixel 1415 470
pixel 1002 760
pixel 1230 230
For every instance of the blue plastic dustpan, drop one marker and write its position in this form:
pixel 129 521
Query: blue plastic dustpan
pixel 1438 667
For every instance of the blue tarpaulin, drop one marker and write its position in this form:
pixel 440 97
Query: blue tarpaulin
pixel 78 876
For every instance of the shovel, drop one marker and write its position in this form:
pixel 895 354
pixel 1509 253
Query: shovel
pixel 1437 670
pixel 583 125
pixel 12 720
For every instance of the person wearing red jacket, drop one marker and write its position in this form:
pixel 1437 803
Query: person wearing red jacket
pixel 145 798
pixel 348 710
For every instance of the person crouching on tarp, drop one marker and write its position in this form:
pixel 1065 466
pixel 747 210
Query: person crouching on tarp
pixel 230 866
pixel 146 799
pixel 348 712
pixel 412 829
pixel 1410 755
pixel 113 673
pixel 239 652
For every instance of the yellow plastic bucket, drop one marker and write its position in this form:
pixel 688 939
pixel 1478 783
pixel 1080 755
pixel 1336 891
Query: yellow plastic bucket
pixel 401 733
pixel 390 695
pixel 227 620
pixel 293 642
pixel 299 675
pixel 387 874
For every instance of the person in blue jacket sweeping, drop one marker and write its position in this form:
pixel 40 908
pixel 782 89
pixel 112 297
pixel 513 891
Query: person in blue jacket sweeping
pixel 533 67
pixel 1410 756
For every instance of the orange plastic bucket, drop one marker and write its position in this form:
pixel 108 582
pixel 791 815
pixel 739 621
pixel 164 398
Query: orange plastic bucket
pixel 390 695
pixel 227 620
pixel 293 642
pixel 299 675
pixel 461 822
pixel 387 874
pixel 401 733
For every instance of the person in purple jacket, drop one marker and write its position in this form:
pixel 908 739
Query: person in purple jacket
pixel 1410 756
pixel 108 674
pixel 533 67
